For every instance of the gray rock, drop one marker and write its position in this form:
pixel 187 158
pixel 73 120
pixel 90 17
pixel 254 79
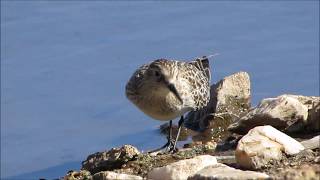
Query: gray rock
pixel 264 144
pixel 312 143
pixel 229 100
pixel 75 175
pixel 314 118
pixel 304 172
pixel 109 160
pixel 221 171
pixel 313 104
pixel 304 155
pixel 182 169
pixel 109 175
pixel 282 112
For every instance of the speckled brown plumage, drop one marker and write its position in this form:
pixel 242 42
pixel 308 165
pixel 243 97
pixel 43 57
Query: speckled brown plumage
pixel 148 91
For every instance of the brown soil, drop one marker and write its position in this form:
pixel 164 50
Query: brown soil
pixel 143 163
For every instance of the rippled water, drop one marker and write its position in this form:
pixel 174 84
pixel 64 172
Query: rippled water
pixel 64 66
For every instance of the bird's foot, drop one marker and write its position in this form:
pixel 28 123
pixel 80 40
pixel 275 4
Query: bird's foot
pixel 170 148
pixel 167 148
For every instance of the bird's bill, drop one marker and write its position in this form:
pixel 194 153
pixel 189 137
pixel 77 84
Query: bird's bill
pixel 173 89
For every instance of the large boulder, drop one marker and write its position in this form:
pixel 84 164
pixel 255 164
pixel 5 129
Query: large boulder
pixel 182 169
pixel 264 144
pixel 221 171
pixel 109 160
pixel 229 100
pixel 283 112
pixel 109 175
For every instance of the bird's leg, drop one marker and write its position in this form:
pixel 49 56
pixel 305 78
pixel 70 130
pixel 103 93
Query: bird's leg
pixel 169 143
pixel 169 137
pixel 179 129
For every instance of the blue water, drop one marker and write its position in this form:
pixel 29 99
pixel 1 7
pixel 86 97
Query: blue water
pixel 64 66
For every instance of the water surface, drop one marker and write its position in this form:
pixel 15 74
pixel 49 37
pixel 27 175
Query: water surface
pixel 64 66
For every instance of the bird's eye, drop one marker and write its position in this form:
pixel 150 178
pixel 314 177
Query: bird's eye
pixel 156 73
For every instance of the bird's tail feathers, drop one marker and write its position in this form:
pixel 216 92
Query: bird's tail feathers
pixel 211 56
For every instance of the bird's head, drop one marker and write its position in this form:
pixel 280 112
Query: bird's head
pixel 158 77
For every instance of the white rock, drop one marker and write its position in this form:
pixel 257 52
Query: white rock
pixel 109 175
pixel 255 152
pixel 312 143
pixel 290 145
pixel 263 144
pixel 182 169
pixel 221 171
pixel 280 112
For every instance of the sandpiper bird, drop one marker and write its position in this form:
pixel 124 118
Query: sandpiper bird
pixel 166 89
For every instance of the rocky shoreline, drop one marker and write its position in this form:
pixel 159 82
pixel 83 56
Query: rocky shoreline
pixel 277 139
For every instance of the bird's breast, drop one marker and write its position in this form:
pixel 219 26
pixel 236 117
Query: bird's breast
pixel 162 107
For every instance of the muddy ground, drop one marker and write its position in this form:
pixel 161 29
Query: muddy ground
pixel 305 165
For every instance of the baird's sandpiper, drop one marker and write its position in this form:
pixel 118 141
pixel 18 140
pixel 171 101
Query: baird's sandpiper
pixel 166 89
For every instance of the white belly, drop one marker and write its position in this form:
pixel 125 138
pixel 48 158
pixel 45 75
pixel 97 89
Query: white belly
pixel 163 108
pixel 162 115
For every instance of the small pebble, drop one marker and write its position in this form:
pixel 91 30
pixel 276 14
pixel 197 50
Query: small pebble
pixel 293 163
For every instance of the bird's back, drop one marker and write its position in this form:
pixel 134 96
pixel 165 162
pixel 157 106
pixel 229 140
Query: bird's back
pixel 203 65
pixel 198 77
